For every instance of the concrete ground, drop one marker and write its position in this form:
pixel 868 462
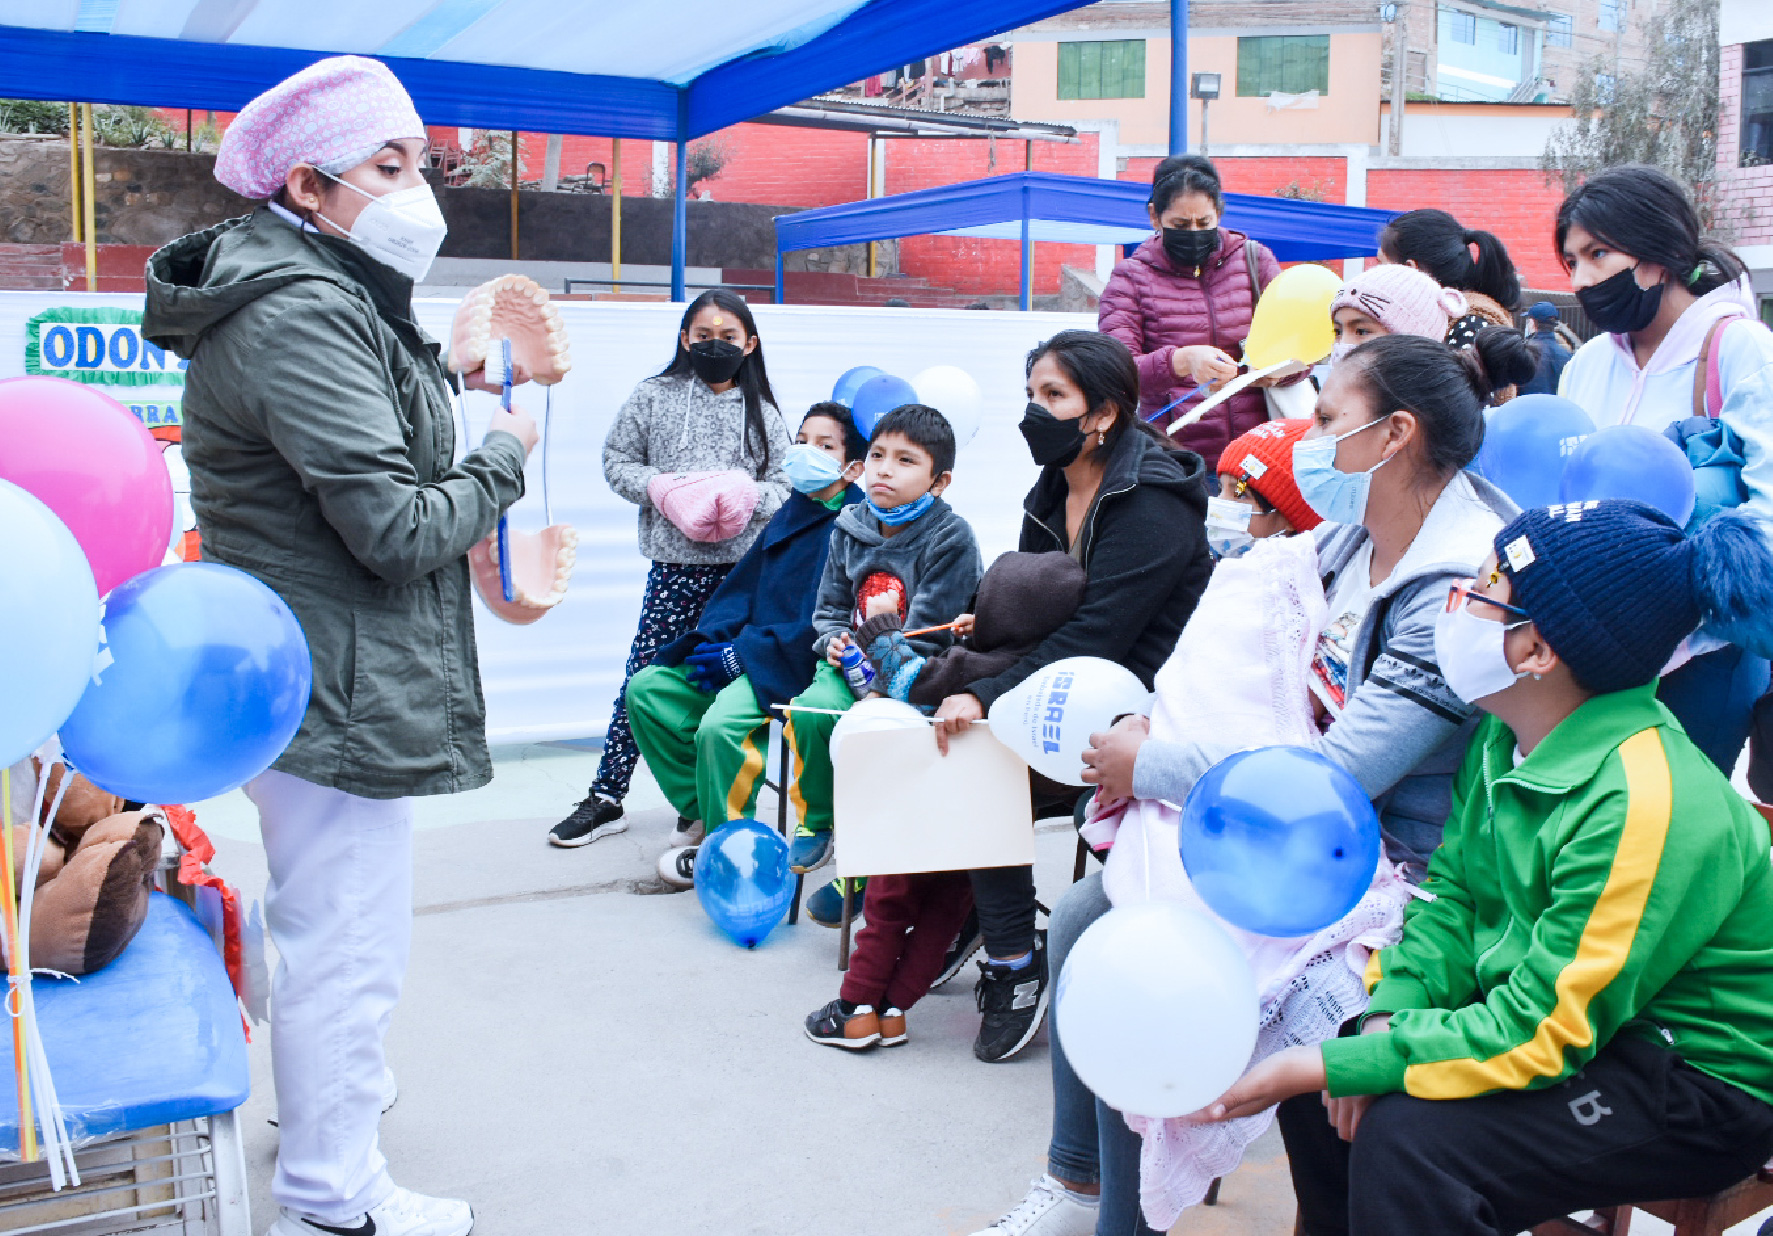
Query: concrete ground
pixel 581 1053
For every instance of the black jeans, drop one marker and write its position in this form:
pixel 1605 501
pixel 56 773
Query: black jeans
pixel 1004 896
pixel 1639 1124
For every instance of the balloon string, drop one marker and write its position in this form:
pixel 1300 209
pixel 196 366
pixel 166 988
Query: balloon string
pixel 15 966
pixel 547 433
pixel 841 712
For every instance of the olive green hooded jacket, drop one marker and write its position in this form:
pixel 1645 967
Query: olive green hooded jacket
pixel 318 431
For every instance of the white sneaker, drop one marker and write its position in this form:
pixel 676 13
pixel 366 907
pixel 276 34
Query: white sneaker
pixel 401 1213
pixel 687 832
pixel 678 867
pixel 1050 1209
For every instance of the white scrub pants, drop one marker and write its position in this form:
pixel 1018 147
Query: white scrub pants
pixel 339 910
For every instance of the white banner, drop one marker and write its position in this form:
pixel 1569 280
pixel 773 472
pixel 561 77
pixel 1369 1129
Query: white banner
pixel 559 677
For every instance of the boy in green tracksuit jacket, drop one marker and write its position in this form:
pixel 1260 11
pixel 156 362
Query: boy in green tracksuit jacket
pixel 1580 1010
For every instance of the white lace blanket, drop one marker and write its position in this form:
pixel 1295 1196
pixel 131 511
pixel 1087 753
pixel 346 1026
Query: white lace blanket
pixel 1239 673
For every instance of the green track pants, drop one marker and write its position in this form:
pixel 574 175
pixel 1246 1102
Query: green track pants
pixel 809 733
pixel 707 752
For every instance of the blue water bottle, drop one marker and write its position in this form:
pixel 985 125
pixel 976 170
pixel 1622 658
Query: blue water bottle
pixel 856 670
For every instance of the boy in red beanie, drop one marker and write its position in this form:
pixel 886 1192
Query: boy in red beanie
pixel 1257 496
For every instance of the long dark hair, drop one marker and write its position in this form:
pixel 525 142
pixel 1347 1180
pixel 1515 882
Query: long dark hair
pixel 1643 212
pixel 1189 173
pixel 1445 388
pixel 1101 367
pixel 753 379
pixel 1437 243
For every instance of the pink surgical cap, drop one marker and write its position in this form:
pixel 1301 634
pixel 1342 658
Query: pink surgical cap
pixel 332 115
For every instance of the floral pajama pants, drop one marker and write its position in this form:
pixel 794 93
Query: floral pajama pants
pixel 675 595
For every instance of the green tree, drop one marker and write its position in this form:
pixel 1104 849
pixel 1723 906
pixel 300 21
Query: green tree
pixel 1663 112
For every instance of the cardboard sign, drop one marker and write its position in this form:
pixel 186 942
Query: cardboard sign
pixel 902 807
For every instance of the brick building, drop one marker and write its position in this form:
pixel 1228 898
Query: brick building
pixel 1744 193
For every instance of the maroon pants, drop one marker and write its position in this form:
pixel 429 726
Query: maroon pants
pixel 893 965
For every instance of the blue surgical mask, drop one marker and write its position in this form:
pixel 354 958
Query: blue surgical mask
pixel 1338 497
pixel 893 516
pixel 810 469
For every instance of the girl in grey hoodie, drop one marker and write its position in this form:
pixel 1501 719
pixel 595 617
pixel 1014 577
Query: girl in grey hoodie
pixel 711 411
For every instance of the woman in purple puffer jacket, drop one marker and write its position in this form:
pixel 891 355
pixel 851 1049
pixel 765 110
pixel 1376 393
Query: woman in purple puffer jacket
pixel 1183 302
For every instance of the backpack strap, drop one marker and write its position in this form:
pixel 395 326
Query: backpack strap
pixel 1255 274
pixel 1708 384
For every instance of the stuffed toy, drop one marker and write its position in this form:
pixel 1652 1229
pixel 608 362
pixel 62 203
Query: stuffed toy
pixel 97 870
pixel 517 308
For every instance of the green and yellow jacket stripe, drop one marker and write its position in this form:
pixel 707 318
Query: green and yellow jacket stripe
pixel 1612 883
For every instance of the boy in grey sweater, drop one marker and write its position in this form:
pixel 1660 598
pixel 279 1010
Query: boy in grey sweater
pixel 903 535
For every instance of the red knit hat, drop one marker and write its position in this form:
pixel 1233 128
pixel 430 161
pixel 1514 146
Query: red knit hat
pixel 1262 460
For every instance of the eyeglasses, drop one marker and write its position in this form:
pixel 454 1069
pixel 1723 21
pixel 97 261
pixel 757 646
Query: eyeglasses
pixel 1460 594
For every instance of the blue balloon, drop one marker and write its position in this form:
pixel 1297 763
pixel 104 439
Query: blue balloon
pixel 844 389
pixel 1526 441
pixel 743 881
pixel 1279 840
pixel 202 683
pixel 878 396
pixel 1631 461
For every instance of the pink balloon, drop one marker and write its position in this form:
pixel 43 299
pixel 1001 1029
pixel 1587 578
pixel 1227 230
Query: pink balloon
pixel 98 468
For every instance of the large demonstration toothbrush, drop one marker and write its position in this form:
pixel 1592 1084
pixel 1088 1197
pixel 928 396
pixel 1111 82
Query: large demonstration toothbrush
pixel 506 585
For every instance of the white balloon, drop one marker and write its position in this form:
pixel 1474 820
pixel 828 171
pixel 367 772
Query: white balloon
pixel 1048 717
pixel 950 390
pixel 1157 1009
pixel 869 715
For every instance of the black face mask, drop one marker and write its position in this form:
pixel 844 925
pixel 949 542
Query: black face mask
pixel 1053 442
pixel 1188 248
pixel 715 360
pixel 1618 305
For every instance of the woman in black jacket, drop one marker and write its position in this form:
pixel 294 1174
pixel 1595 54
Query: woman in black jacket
pixel 1114 494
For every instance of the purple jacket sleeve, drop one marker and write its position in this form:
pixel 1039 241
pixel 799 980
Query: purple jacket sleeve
pixel 1119 313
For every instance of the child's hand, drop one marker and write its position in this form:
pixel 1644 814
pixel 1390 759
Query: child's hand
pixel 1109 759
pixel 1296 1070
pixel 834 650
pixel 881 603
pixel 963 626
pixel 956 715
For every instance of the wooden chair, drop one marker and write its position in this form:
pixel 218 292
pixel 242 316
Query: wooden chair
pixel 1690 1216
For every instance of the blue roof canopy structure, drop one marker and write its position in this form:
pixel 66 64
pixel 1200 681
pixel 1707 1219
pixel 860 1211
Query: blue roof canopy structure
pixel 615 68
pixel 1045 206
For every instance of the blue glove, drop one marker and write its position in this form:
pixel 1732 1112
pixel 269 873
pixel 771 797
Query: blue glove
pixel 713 666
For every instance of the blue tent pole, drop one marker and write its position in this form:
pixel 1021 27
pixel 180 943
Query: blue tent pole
pixel 1178 76
pixel 1027 264
pixel 679 212
pixel 779 299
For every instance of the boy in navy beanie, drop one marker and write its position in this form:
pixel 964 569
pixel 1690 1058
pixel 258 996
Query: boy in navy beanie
pixel 1583 1013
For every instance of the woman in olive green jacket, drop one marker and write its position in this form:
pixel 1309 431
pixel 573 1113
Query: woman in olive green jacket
pixel 318 433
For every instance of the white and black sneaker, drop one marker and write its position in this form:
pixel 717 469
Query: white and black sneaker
pixel 969 941
pixel 687 832
pixel 678 867
pixel 401 1213
pixel 1012 1001
pixel 592 820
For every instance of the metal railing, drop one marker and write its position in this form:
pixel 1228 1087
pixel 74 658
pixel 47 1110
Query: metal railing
pixel 657 283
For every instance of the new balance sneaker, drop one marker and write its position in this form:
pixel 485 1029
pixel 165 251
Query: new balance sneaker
pixel 854 1027
pixel 592 820
pixel 969 941
pixel 892 1027
pixel 401 1213
pixel 1050 1209
pixel 687 832
pixel 678 867
pixel 809 851
pixel 825 905
pixel 1013 1002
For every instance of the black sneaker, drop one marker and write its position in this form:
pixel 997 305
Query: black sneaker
pixel 855 1027
pixel 1013 1003
pixel 592 820
pixel 969 941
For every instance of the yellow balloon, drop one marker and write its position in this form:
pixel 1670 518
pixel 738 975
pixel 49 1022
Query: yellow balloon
pixel 1292 320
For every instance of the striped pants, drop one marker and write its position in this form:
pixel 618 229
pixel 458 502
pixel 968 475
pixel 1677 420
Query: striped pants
pixel 707 752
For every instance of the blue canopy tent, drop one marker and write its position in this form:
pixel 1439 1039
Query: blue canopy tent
pixel 665 72
pixel 1045 206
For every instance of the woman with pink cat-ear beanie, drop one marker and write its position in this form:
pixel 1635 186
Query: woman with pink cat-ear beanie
pixel 698 448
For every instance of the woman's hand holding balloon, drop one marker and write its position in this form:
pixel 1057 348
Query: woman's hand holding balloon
pixel 518 423
pixel 1109 759
pixel 1296 1070
pixel 957 713
pixel 1203 363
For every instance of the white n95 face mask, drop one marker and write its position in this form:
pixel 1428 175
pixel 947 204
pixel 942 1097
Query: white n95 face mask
pixel 1468 650
pixel 402 230
pixel 1228 527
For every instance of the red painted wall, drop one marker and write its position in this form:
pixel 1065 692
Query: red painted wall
pixel 1517 204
